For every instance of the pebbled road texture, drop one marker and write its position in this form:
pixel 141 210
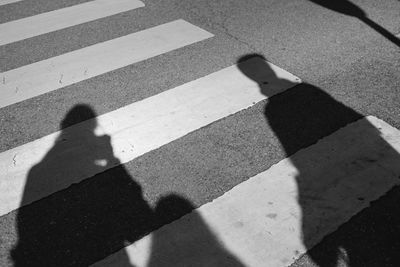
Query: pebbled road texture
pixel 329 47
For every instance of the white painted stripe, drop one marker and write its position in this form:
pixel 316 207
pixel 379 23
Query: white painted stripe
pixel 260 221
pixel 6 2
pixel 44 76
pixel 17 30
pixel 136 129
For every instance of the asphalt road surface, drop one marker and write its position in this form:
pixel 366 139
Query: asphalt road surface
pixel 199 133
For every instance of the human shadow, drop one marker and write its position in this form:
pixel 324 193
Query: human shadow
pixel 300 117
pixel 90 219
pixel 95 217
pixel 187 242
pixel 348 8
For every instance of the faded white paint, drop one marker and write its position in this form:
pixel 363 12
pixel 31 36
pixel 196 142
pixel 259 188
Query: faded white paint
pixel 45 76
pixel 6 2
pixel 138 128
pixel 260 221
pixel 21 29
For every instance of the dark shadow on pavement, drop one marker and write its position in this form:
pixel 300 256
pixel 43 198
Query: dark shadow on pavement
pixel 300 117
pixel 348 8
pixel 187 242
pixel 93 218
pixel 96 217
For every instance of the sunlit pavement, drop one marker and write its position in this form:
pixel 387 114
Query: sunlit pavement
pixel 346 54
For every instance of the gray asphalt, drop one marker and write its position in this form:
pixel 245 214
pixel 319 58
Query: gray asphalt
pixel 335 52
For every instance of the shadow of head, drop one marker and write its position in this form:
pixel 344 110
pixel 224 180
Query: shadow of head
pixel 79 113
pixel 174 205
pixel 255 67
pixel 266 75
pixel 188 241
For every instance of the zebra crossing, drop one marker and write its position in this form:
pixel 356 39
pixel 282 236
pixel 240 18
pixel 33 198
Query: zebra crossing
pixel 181 111
pixel 258 220
pixel 51 74
pixel 257 223
pixel 59 19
